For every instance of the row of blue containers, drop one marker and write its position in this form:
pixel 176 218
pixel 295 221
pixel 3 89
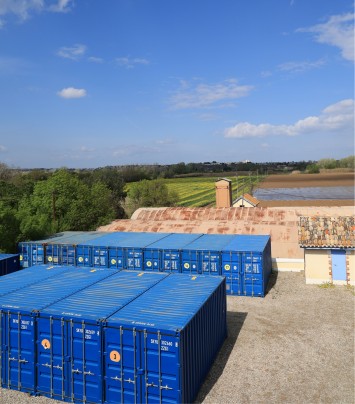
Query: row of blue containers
pixel 9 263
pixel 245 260
pixel 95 336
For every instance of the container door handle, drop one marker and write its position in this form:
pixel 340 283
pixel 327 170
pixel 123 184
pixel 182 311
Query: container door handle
pixel 129 381
pixel 58 367
pixel 12 359
pixel 151 385
pixel 89 373
pixel 117 378
pixel 76 371
pixel 165 387
pixel 22 361
pixel 47 365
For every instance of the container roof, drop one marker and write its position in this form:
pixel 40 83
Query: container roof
pixel 28 276
pixel 156 308
pixel 250 243
pixel 39 295
pixel 107 296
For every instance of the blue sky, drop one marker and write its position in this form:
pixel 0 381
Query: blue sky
pixel 90 83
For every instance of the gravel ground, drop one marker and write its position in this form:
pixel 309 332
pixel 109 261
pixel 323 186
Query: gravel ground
pixel 294 346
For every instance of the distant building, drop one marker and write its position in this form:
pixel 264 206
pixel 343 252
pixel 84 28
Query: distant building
pixel 246 201
pixel 329 249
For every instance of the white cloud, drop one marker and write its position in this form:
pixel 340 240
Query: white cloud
pixel 299 67
pixel 337 31
pixel 62 6
pixel 95 59
pixel 130 63
pixel 24 8
pixel 74 52
pixel 205 95
pixel 72 92
pixel 336 117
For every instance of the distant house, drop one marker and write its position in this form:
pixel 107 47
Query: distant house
pixel 246 201
pixel 329 249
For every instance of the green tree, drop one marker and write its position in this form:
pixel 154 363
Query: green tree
pixel 63 202
pixel 312 169
pixel 147 193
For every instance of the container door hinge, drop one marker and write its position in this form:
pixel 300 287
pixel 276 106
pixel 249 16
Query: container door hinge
pixel 129 381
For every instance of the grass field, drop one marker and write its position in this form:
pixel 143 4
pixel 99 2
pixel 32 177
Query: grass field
pixel 200 191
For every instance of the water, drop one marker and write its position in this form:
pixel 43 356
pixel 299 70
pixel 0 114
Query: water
pixel 308 193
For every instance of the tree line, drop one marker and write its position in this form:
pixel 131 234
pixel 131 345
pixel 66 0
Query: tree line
pixel 37 203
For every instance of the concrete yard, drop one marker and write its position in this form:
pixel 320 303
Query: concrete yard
pixel 294 346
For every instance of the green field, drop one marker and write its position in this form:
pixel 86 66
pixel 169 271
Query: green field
pixel 200 191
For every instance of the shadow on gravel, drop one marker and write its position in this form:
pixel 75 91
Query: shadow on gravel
pixel 272 281
pixel 235 323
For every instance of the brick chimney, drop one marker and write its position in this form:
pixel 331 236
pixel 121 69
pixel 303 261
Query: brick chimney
pixel 223 193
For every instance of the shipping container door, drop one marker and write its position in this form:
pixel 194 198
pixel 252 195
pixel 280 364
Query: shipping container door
pixel 190 261
pixel 160 381
pixel 85 364
pixel 232 270
pixel 170 261
pixel 210 262
pixel 252 264
pixel 51 356
pixel 339 265
pixel 152 260
pixel 115 256
pixel 19 356
pixel 122 366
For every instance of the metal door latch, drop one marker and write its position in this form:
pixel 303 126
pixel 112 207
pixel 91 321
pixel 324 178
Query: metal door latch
pixel 116 378
pixel 129 381
pixel 76 371
pixel 47 365
pixel 165 387
pixel 151 385
pixel 58 367
pixel 89 373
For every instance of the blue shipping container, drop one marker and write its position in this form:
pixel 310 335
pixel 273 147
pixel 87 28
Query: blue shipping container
pixel 17 318
pixel 160 347
pixel 69 342
pixel 33 252
pixel 128 253
pixel 246 264
pixel 63 252
pixel 203 256
pixel 165 254
pixel 9 263
pixel 96 252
